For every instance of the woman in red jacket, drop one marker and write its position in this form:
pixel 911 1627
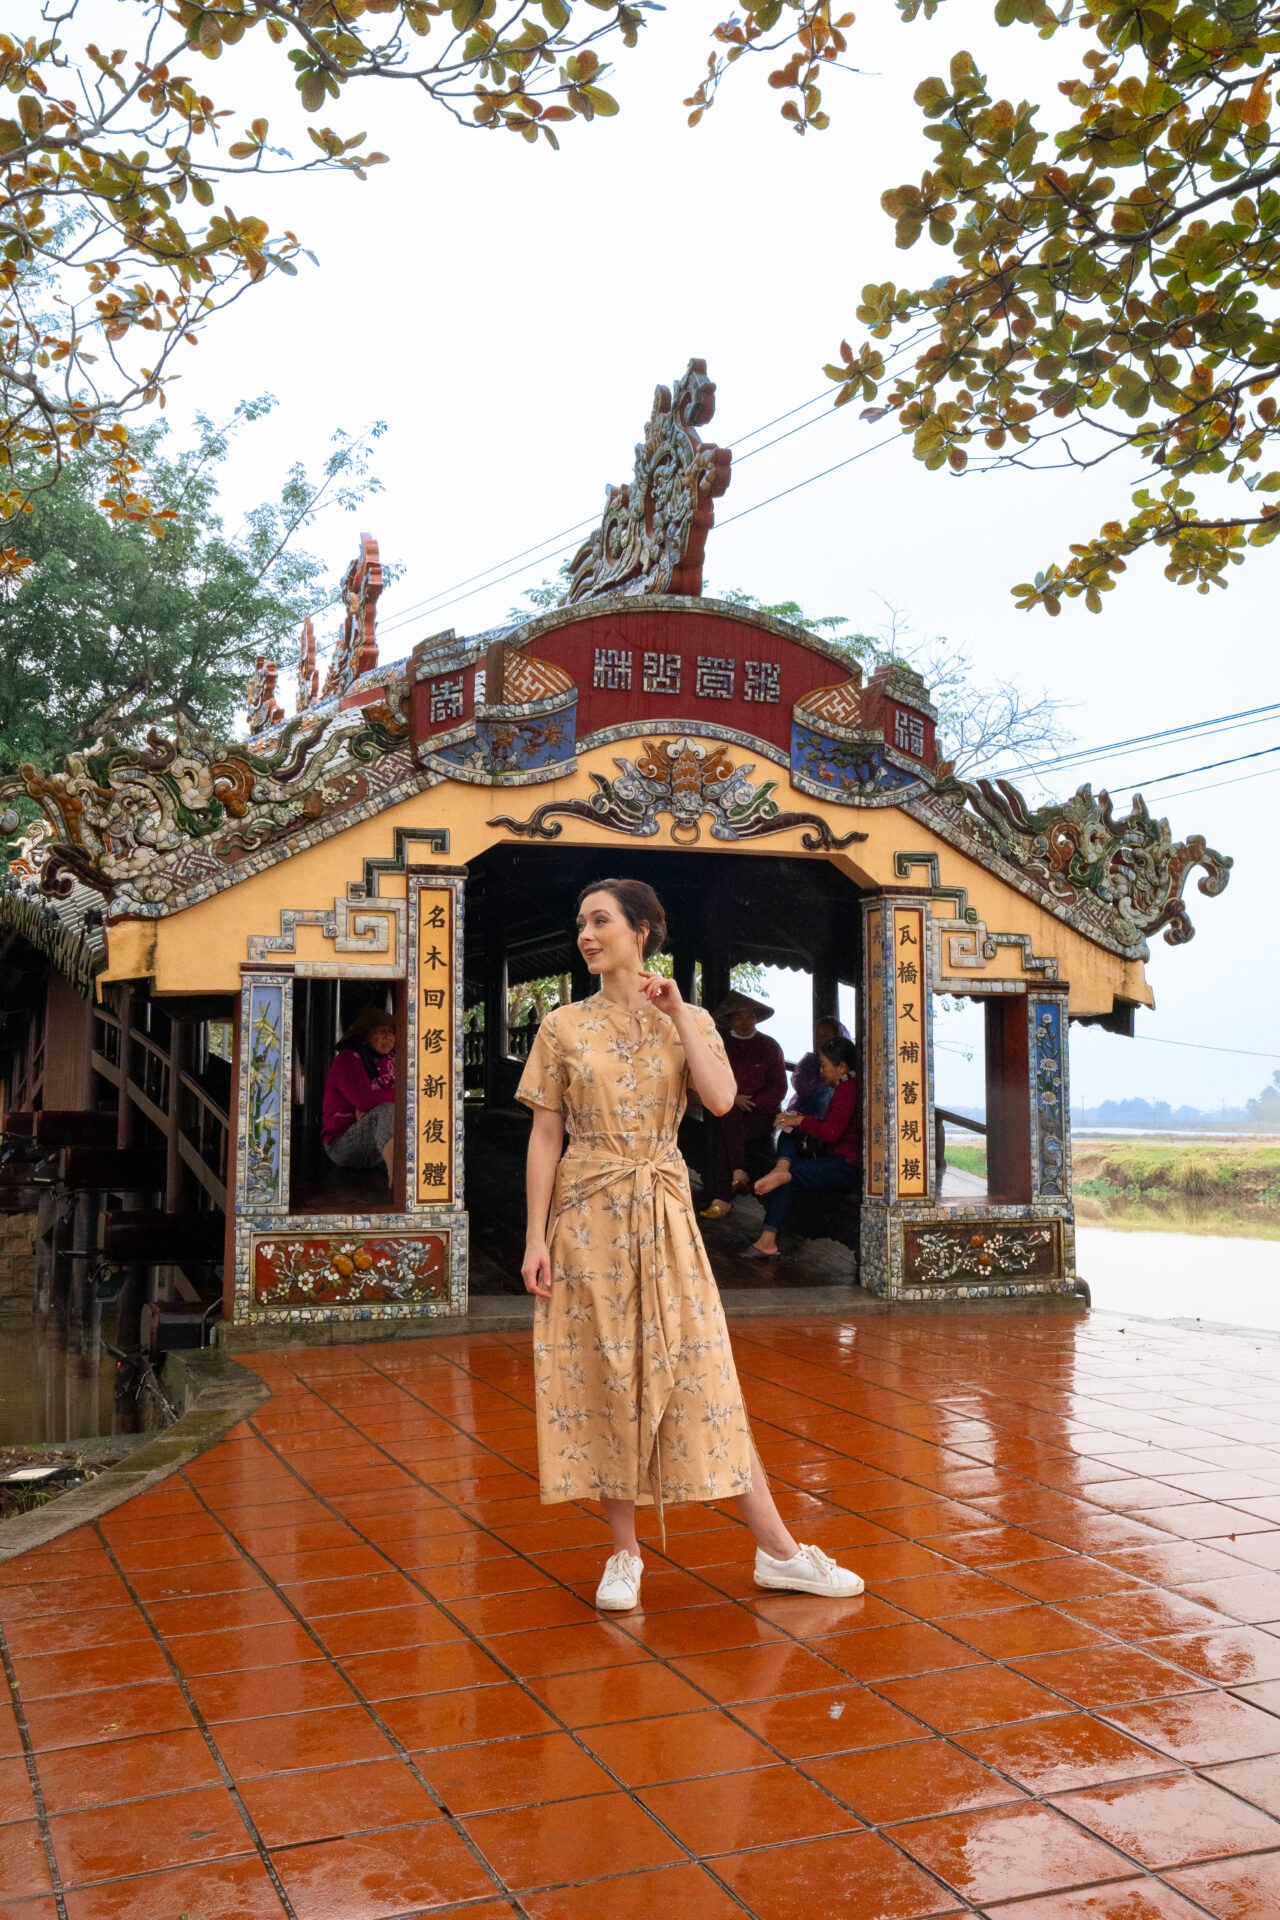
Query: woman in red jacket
pixel 358 1117
pixel 837 1166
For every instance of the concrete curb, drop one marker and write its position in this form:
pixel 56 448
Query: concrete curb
pixel 214 1392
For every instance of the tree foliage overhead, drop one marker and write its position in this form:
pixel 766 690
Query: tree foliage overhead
pixel 1113 284
pixel 1114 254
pixel 111 631
pixel 117 240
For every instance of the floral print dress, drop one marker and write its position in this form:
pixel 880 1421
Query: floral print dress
pixel 637 1394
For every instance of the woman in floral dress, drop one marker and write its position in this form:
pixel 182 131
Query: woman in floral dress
pixel 637 1395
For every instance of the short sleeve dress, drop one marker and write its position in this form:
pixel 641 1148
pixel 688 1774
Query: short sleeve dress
pixel 637 1394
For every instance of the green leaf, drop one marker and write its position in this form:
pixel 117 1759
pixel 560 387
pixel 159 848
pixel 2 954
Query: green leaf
pixel 604 103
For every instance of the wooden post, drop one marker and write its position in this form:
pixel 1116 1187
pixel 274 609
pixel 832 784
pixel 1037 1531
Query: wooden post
pixel 233 1184
pixel 715 942
pixel 495 992
pixel 125 1117
pixel 1008 1100
pixel 826 996
pixel 178 1056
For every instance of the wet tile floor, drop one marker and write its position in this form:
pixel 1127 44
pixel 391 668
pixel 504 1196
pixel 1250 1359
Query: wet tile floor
pixel 346 1667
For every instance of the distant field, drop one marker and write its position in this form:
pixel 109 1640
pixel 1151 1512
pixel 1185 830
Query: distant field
pixel 1185 1186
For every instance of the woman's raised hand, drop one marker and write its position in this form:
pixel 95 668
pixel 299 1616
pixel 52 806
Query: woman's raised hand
pixel 535 1270
pixel 661 993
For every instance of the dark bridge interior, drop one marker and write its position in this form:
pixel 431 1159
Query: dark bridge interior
pixel 723 909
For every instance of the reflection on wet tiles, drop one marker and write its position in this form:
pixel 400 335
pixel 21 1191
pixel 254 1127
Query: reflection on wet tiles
pixel 390 1644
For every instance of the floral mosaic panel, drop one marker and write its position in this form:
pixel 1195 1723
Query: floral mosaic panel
pixel 981 1250
pixel 1048 1098
pixel 847 770
pixel 349 1269
pixel 509 749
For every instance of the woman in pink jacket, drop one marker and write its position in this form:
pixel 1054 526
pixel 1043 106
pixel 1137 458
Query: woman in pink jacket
pixel 358 1117
pixel 837 1167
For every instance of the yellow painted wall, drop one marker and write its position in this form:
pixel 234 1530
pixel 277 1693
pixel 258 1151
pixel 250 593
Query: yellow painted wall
pixel 202 949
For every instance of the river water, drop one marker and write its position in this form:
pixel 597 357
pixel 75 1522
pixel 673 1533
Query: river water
pixel 1182 1276
pixel 48 1393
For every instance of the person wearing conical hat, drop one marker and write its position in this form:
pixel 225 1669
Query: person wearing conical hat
pixel 744 1135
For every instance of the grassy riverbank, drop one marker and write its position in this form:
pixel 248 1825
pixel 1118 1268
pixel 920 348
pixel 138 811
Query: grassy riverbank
pixel 1243 1171
pixel 1178 1186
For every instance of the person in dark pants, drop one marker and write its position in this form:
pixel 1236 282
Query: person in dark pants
pixel 837 1168
pixel 744 1135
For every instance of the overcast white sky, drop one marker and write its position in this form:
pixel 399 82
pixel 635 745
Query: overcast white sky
pixel 508 311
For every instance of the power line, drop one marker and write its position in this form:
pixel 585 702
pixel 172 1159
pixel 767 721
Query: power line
pixel 1200 1046
pixel 1246 716
pixel 1263 773
pixel 1205 731
pixel 435 600
pixel 889 441
pixel 1210 766
pixel 514 574
pixel 439 606
pixel 828 414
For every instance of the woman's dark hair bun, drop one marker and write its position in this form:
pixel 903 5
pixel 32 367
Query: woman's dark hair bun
pixel 841 1053
pixel 640 907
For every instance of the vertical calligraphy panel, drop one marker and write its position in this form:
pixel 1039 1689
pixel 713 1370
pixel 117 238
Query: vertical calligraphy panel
pixel 433 1038
pixel 911 1049
pixel 874 1095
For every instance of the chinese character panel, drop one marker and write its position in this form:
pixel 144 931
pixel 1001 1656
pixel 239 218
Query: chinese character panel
pixel 874 1097
pixel 911 1049
pixel 611 668
pixel 433 1035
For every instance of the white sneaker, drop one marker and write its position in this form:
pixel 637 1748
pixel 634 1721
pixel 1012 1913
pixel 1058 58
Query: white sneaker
pixel 808 1571
pixel 619 1588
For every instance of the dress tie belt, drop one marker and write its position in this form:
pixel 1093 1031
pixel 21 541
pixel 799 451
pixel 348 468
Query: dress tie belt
pixel 658 1181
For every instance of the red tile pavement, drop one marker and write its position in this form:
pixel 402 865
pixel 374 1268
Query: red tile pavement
pixel 346 1667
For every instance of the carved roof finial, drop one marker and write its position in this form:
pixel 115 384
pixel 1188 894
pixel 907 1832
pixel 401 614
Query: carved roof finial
pixel 308 677
pixel 357 651
pixel 265 710
pixel 654 531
